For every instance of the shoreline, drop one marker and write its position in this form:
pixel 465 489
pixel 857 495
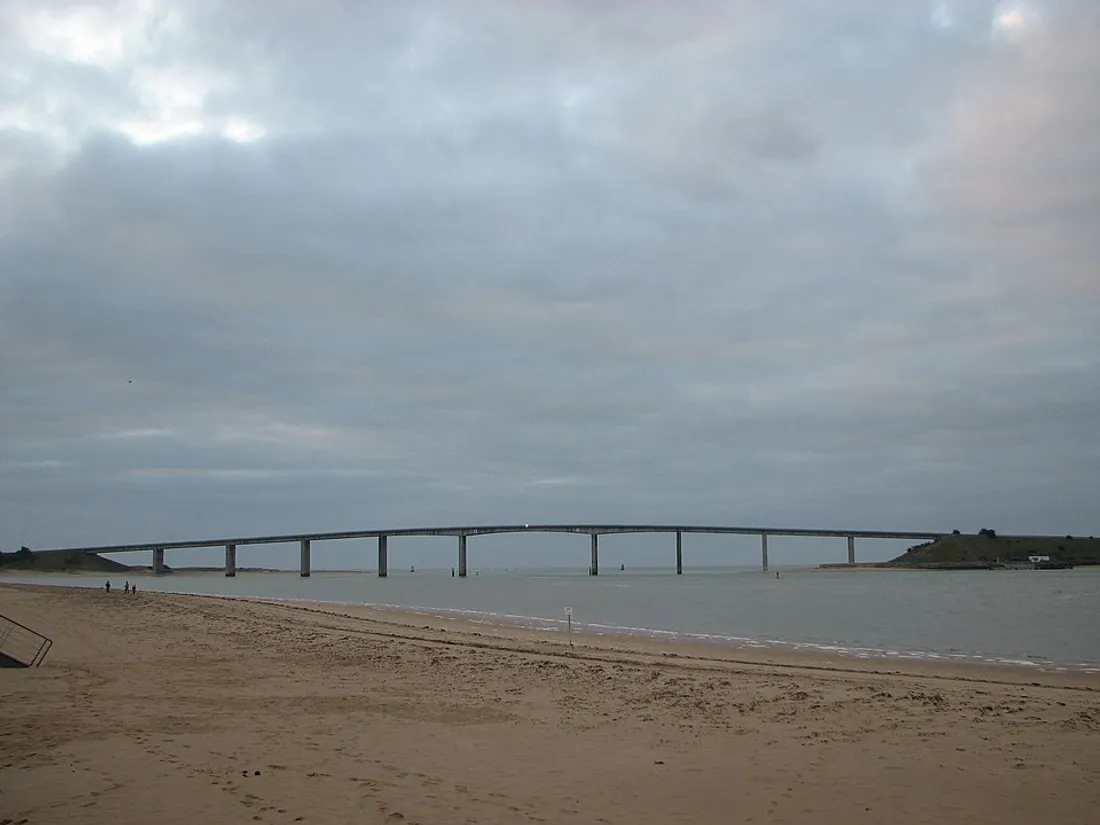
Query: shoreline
pixel 748 651
pixel 666 643
pixel 686 649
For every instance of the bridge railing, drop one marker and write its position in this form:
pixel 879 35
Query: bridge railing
pixel 20 646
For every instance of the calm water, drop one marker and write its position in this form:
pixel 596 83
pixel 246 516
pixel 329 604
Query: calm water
pixel 1038 617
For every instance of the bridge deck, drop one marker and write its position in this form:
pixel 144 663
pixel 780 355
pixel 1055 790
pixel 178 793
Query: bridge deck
pixel 483 530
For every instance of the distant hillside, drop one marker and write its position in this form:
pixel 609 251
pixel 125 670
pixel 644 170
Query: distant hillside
pixel 59 561
pixel 987 549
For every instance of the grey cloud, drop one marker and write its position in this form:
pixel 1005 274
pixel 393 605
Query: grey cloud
pixel 734 264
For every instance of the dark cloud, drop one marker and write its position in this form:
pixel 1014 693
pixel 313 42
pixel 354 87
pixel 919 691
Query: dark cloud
pixel 365 264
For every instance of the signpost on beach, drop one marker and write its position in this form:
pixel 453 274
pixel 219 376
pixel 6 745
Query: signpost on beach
pixel 569 624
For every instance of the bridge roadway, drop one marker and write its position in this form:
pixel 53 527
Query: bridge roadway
pixel 305 540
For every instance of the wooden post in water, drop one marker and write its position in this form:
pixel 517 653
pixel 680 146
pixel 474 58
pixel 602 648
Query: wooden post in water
pixel 679 553
pixel 158 561
pixel 764 552
pixel 230 560
pixel 462 555
pixel 594 564
pixel 851 549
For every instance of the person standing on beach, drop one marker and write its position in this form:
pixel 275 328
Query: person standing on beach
pixel 126 587
pixel 107 586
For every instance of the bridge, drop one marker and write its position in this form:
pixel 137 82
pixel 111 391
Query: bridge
pixel 594 531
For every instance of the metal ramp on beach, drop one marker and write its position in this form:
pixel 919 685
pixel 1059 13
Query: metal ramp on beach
pixel 20 646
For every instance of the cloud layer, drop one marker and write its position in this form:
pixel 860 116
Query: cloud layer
pixel 362 265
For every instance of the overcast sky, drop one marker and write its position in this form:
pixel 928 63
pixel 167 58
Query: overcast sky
pixel 295 266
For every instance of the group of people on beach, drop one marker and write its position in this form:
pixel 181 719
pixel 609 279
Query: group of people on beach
pixel 126 588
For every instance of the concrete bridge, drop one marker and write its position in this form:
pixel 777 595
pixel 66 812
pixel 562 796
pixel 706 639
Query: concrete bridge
pixel 594 531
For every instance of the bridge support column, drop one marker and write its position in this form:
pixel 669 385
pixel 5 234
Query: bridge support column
pixel 851 549
pixel 462 556
pixel 764 552
pixel 594 564
pixel 230 560
pixel 303 558
pixel 158 561
pixel 679 553
pixel 383 570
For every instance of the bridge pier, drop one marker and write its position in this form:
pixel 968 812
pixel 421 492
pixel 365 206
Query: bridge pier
pixel 383 570
pixel 679 553
pixel 764 552
pixel 230 560
pixel 303 558
pixel 462 556
pixel 594 564
pixel 158 561
pixel 851 549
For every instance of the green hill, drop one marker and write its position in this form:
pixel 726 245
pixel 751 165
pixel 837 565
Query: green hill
pixel 59 561
pixel 965 551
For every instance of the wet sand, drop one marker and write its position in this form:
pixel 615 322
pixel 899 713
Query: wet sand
pixel 180 709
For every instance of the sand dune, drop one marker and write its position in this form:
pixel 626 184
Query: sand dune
pixel 177 709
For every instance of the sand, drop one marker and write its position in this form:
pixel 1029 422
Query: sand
pixel 157 708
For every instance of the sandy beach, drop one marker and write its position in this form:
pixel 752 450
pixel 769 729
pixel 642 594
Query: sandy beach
pixel 184 709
